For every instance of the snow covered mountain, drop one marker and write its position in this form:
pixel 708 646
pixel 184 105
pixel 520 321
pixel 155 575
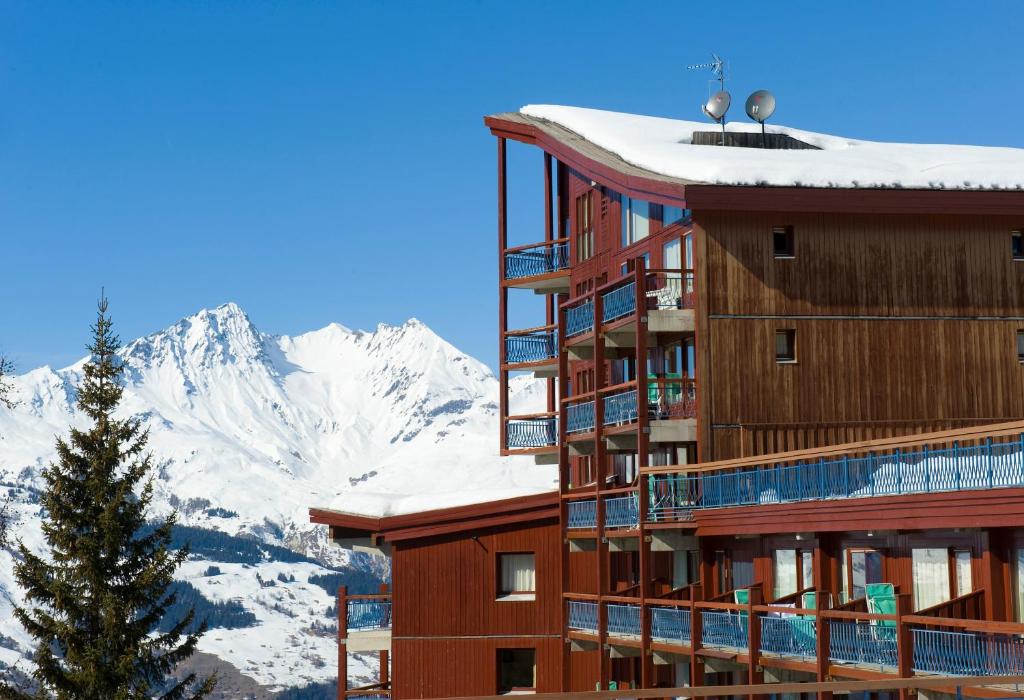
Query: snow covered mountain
pixel 251 430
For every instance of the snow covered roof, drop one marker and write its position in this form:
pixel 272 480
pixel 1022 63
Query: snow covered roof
pixel 663 148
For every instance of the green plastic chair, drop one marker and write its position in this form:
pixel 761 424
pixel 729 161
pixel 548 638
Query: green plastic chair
pixel 873 590
pixel 883 605
pixel 741 596
pixel 809 601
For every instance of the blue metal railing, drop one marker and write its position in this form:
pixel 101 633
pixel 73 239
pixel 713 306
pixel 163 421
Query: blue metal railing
pixel 525 433
pixel 369 615
pixel 958 468
pixel 579 417
pixel 789 636
pixel 968 653
pixel 620 408
pixel 670 625
pixel 534 347
pixel 539 260
pixel 582 515
pixel 671 498
pixel 622 511
pixel 579 319
pixel 623 620
pixel 862 644
pixel 724 629
pixel 619 302
pixel 582 616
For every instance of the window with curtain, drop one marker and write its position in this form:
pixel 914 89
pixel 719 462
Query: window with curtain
pixel 785 572
pixel 517 574
pixel 742 570
pixel 964 583
pixel 931 576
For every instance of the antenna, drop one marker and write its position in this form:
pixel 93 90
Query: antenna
pixel 718 104
pixel 760 106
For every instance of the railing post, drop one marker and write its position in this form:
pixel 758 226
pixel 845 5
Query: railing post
pixel 904 641
pixel 696 635
pixel 927 469
pixel 755 675
pixel 956 464
pixel 899 470
pixel 823 645
pixel 342 640
pixel 991 470
pixel 846 476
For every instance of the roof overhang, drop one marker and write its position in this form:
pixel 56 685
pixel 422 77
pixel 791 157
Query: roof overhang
pixel 539 507
pixel 608 168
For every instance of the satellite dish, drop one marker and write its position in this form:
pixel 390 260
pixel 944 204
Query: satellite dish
pixel 760 106
pixel 718 105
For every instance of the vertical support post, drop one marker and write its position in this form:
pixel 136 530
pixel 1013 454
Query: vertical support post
pixel 696 634
pixel 904 641
pixel 601 467
pixel 502 297
pixel 823 643
pixel 643 447
pixel 385 673
pixel 563 483
pixel 755 674
pixel 342 641
pixel 549 299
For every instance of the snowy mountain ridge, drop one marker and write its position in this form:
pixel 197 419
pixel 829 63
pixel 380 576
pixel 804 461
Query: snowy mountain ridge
pixel 252 429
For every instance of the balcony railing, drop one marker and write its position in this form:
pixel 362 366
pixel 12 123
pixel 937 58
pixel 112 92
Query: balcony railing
pixel 789 636
pixel 583 616
pixel 366 615
pixel 619 302
pixel 532 432
pixel 670 289
pixel 623 620
pixel 620 408
pixel 671 397
pixel 670 625
pixel 927 470
pixel 579 417
pixel 538 259
pixel 533 346
pixel 724 629
pixel 622 511
pixel 872 644
pixel 582 515
pixel 968 653
pixel 579 319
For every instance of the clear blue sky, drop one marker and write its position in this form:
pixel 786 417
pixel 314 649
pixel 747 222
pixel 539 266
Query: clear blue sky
pixel 320 162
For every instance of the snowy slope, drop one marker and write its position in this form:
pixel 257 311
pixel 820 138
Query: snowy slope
pixel 253 429
pixel 665 146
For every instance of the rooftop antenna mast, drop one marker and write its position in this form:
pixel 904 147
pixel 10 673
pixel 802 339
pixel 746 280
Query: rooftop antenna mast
pixel 717 104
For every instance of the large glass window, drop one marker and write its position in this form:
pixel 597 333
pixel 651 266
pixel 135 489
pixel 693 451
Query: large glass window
pixel 517 670
pixel 584 226
pixel 670 215
pixel 636 215
pixel 861 567
pixel 786 579
pixel 931 576
pixel 806 569
pixel 517 574
pixel 964 582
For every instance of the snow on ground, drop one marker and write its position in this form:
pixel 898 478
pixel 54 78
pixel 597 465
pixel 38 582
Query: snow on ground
pixel 665 146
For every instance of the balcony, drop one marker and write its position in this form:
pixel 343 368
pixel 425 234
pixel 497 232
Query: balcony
pixel 620 408
pixel 579 418
pixel 583 616
pixel 533 433
pixel 542 267
pixel 871 645
pixel 671 412
pixel 368 622
pixel 789 637
pixel 968 653
pixel 623 620
pixel 724 629
pixel 622 512
pixel 666 299
pixel 533 349
pixel 864 473
pixel 670 625
pixel 582 515
pixel 579 319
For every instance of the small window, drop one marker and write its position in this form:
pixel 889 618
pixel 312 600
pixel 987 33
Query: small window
pixel 962 560
pixel 516 576
pixel 785 345
pixel 782 241
pixel 1017 244
pixel 1020 346
pixel 517 670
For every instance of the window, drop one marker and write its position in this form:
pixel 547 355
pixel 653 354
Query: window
pixel 584 226
pixel 962 560
pixel 931 576
pixel 785 573
pixel 861 567
pixel 517 578
pixel 670 215
pixel 517 670
pixel 636 215
pixel 1017 569
pixel 806 569
pixel 1017 244
pixel 785 345
pixel 1020 346
pixel 782 242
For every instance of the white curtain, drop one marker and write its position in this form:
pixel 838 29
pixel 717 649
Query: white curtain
pixel 807 562
pixel 785 572
pixel 931 577
pixel 517 573
pixel 964 584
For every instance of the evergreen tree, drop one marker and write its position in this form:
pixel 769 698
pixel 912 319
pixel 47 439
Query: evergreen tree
pixel 95 600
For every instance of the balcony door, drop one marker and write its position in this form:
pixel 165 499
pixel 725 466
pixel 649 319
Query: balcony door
pixel 861 566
